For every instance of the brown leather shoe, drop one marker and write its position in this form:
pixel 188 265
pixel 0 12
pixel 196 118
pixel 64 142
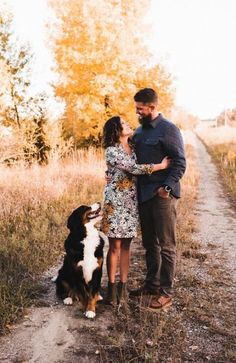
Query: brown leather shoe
pixel 143 290
pixel 160 302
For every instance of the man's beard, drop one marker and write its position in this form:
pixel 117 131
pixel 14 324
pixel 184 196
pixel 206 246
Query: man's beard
pixel 145 120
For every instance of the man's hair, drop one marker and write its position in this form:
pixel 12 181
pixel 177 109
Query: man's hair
pixel 146 95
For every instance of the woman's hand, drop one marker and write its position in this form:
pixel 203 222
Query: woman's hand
pixel 165 163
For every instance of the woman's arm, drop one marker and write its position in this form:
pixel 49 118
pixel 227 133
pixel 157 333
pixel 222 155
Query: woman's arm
pixel 123 161
pixel 163 165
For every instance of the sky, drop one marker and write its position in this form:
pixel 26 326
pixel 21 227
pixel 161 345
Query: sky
pixel 193 39
pixel 196 41
pixel 30 17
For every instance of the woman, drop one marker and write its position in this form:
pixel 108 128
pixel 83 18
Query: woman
pixel 120 210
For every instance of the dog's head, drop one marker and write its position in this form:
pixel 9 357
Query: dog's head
pixel 84 216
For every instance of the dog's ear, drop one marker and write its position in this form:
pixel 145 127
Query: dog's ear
pixel 71 223
pixel 75 220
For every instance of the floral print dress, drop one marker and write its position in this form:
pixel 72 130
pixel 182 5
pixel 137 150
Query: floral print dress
pixel 120 207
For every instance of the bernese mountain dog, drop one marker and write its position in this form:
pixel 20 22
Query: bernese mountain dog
pixel 81 272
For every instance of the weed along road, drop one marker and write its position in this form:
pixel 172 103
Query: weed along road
pixel 53 333
pixel 217 220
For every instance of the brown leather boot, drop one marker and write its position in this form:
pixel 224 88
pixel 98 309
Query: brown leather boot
pixel 111 298
pixel 122 293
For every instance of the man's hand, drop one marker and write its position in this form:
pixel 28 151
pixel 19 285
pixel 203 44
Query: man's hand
pixel 163 193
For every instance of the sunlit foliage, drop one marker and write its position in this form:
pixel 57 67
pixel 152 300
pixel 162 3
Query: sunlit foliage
pixel 23 114
pixel 102 61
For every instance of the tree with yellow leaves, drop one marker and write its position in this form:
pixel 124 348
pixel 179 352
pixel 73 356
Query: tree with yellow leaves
pixel 24 115
pixel 101 61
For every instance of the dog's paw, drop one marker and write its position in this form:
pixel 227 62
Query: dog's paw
pixel 54 278
pixel 100 298
pixel 90 314
pixel 68 301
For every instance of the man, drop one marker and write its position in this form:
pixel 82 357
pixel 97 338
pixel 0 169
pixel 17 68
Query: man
pixel 157 195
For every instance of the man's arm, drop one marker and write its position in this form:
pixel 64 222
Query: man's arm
pixel 174 148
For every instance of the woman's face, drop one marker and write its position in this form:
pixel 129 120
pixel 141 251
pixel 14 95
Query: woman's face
pixel 126 129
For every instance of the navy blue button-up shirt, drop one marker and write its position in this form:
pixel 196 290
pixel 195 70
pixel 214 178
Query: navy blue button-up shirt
pixel 152 143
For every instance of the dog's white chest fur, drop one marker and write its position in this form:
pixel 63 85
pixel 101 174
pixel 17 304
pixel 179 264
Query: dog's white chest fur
pixel 91 242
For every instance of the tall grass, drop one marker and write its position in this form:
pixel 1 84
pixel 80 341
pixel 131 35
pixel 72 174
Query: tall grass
pixel 224 156
pixel 34 205
pixel 221 143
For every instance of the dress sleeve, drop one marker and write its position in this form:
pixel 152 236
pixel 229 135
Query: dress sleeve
pixel 123 161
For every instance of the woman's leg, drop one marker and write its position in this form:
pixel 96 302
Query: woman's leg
pixel 124 259
pixel 112 258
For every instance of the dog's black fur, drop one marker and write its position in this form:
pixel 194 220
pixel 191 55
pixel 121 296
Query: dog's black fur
pixel 70 281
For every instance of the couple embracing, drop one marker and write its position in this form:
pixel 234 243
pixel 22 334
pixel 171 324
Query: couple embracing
pixel 143 170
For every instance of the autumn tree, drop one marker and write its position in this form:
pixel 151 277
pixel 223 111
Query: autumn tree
pixel 101 62
pixel 22 113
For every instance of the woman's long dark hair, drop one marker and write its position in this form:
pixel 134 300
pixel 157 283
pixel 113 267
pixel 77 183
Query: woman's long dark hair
pixel 111 132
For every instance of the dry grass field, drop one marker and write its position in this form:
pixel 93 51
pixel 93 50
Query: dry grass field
pixel 221 144
pixel 34 205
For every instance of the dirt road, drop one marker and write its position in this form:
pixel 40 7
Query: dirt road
pixel 54 333
pixel 211 311
pixel 217 220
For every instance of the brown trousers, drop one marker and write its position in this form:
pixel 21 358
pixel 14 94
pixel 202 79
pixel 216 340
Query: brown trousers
pixel 158 225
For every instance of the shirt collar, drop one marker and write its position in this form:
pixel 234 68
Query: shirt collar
pixel 155 121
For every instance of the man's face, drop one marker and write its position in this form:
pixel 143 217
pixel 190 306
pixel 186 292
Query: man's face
pixel 144 112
